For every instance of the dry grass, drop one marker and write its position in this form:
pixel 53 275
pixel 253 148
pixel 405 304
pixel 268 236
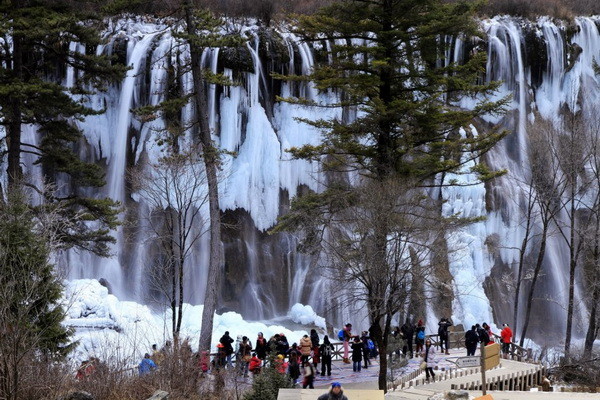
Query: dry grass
pixel 179 375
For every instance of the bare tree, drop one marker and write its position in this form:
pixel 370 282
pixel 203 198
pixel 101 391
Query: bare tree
pixel 529 214
pixel 591 259
pixel 572 155
pixel 346 232
pixel 174 191
pixel 548 185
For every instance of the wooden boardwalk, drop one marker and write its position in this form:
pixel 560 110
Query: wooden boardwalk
pixel 509 376
pixel 423 394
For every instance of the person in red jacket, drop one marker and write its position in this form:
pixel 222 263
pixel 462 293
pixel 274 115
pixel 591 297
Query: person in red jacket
pixel 255 364
pixel 506 334
pixel 280 364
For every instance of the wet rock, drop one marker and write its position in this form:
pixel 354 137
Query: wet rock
pixel 457 395
pixel 77 396
pixel 159 395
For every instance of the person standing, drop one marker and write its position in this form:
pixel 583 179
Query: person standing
pixel 366 350
pixel 146 365
pixel 221 359
pixel 471 340
pixel 255 365
pixel 357 353
pixel 420 336
pixel 347 338
pixel 309 375
pixel 280 365
pixel 305 348
pixel 314 338
pixel 294 367
pixel 506 334
pixel 443 326
pixel 484 337
pixel 227 341
pixel 262 347
pixel 244 355
pixel 408 331
pixel 489 332
pixel 430 359
pixel 326 351
pixel 335 393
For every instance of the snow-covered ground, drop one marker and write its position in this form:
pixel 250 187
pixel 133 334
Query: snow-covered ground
pixel 120 332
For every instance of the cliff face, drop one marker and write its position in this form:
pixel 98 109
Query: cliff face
pixel 547 66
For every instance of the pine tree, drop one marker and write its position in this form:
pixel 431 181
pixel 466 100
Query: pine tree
pixel 30 315
pixel 387 60
pixel 36 35
pixel 266 385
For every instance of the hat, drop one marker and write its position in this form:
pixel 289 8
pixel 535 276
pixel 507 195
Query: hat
pixel 220 345
pixel 280 356
pixel 336 384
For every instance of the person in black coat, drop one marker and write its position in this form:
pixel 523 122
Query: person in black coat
pixel 443 326
pixel 357 354
pixel 226 341
pixel 326 351
pixel 483 335
pixel 314 339
pixel 408 331
pixel 471 340
pixel 262 346
pixel 366 351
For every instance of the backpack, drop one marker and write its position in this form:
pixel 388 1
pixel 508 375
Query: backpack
pixel 370 344
pixel 341 335
pixel 326 350
pixel 421 334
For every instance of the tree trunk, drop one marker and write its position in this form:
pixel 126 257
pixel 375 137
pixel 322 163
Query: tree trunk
pixel 210 156
pixel 522 251
pixel 180 311
pixel 572 265
pixel 592 331
pixel 536 273
pixel 13 125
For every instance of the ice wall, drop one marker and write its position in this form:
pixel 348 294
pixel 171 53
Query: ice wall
pixel 265 275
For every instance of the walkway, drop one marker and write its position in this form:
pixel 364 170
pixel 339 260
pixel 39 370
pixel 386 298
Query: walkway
pixel 423 394
pixel 510 375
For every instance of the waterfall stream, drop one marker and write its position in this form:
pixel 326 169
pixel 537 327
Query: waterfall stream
pixel 265 275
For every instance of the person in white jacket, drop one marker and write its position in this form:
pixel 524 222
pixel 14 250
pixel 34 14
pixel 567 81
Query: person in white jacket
pixel 430 359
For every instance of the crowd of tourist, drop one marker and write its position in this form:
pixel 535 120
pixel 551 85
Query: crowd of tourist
pixel 312 355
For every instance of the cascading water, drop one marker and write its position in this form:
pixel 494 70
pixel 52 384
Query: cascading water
pixel 265 275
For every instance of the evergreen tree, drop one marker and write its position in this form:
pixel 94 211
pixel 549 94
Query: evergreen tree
pixel 30 316
pixel 36 37
pixel 266 385
pixel 387 60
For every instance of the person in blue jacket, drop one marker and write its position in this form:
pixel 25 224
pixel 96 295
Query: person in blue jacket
pixel 146 365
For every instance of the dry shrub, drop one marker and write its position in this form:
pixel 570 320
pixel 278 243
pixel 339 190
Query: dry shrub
pixel 42 380
pixel 581 370
pixel 178 374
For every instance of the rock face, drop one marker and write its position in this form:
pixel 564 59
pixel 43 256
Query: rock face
pixel 159 395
